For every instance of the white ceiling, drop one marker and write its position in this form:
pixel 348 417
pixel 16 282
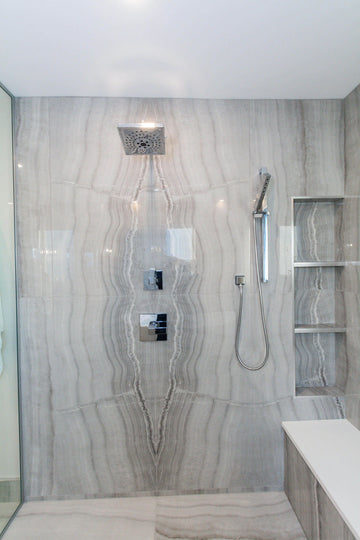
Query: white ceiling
pixel 180 48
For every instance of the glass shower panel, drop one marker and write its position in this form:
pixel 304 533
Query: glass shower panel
pixel 9 422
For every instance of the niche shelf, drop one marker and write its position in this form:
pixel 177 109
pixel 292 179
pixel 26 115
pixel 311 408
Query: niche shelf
pixel 319 311
pixel 317 328
pixel 315 264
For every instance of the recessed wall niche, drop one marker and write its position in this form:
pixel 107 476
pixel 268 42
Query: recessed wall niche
pixel 319 312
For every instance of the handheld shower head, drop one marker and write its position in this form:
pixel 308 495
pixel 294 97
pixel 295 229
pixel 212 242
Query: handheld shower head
pixel 259 203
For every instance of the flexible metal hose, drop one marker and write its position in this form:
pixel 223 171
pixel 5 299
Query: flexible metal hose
pixel 261 302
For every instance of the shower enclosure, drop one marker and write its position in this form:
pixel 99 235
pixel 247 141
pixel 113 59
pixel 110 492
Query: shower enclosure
pixel 104 412
pixel 10 491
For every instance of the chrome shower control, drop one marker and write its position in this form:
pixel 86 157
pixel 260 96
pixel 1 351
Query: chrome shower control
pixel 153 280
pixel 153 327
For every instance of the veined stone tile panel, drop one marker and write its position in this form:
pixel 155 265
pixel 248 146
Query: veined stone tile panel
pixel 352 347
pixel 352 142
pixel 321 360
pixel 36 344
pixel 103 449
pixel 199 158
pixel 323 150
pixel 33 194
pixel 302 144
pixel 104 413
pixel 317 296
pixel 306 408
pixel 89 232
pixel 351 227
pixel 318 516
pixel 85 144
pixel 230 444
pixel 318 231
pixel 331 524
pixel 353 409
pixel 301 490
pixel 207 141
pixel 89 362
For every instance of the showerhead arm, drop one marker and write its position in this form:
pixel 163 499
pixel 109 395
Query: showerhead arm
pixel 259 203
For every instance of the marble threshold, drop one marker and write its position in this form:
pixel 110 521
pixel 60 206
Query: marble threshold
pixel 246 516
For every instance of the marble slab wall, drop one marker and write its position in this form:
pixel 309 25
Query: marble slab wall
pixel 103 413
pixel 352 247
pixel 321 361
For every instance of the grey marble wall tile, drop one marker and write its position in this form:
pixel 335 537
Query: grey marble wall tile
pixel 321 361
pixel 207 362
pixel 302 144
pixel 352 142
pixel 89 363
pixel 293 140
pixel 323 151
pixel 317 296
pixel 350 279
pixel 352 347
pixel 89 236
pixel 228 444
pixel 353 409
pixel 36 348
pixel 352 309
pixel 315 359
pixel 84 135
pixel 33 192
pixel 301 490
pixel 331 524
pixel 318 231
pixel 250 387
pixel 351 228
pixel 221 449
pixel 276 141
pixel 119 416
pixel 200 143
pixel 321 408
pixel 102 449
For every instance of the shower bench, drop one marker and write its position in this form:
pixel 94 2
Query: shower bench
pixel 322 477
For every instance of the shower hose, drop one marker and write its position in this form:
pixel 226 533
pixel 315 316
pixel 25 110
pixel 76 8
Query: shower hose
pixel 261 302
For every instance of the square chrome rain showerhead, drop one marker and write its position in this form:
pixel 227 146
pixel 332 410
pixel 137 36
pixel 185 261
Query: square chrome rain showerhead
pixel 142 138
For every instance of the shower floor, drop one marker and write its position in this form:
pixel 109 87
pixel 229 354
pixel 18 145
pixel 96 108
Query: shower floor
pixel 246 516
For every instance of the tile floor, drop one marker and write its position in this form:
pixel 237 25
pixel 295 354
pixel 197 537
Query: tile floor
pixel 250 516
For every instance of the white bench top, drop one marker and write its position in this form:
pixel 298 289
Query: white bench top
pixel 331 449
